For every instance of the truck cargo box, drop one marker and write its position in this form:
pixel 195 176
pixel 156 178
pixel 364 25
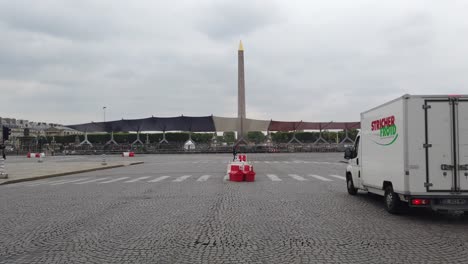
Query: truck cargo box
pixel 417 145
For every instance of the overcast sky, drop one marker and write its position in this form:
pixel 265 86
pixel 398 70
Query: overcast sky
pixel 62 61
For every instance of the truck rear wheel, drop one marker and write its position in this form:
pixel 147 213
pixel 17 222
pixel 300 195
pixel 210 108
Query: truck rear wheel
pixel 392 200
pixel 350 185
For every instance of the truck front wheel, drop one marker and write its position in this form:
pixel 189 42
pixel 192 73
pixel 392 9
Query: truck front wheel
pixel 350 185
pixel 392 200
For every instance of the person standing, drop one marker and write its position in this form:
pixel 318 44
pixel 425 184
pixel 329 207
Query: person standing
pixel 234 152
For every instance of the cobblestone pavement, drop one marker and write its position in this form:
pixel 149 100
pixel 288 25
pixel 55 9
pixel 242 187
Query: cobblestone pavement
pixel 180 209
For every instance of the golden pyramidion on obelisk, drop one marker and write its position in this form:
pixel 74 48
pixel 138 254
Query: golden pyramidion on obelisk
pixel 241 47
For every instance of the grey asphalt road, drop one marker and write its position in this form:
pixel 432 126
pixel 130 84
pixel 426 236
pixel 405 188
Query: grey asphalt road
pixel 180 209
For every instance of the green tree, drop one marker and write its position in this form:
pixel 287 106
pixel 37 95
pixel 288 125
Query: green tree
pixel 229 136
pixel 255 136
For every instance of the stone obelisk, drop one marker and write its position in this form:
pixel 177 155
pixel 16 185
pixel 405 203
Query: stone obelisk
pixel 240 92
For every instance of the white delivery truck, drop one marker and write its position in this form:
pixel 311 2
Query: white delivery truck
pixel 413 149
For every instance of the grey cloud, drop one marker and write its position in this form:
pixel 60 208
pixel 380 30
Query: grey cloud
pixel 71 20
pixel 232 19
pixel 61 61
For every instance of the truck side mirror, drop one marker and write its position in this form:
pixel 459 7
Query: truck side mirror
pixel 349 153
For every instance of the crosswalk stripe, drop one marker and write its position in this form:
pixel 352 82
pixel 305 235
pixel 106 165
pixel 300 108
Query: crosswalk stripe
pixel 266 161
pixel 320 177
pixel 204 178
pixel 31 184
pixel 46 182
pixel 338 177
pixel 182 178
pixel 63 182
pixel 137 179
pixel 114 180
pixel 95 180
pixel 273 177
pixel 287 162
pixel 160 178
pixel 297 177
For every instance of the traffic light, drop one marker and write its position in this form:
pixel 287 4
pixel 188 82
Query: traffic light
pixel 6 133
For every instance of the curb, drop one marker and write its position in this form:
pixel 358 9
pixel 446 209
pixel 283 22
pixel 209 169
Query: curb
pixel 70 173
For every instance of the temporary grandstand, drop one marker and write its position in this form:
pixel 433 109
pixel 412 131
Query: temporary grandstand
pixel 211 124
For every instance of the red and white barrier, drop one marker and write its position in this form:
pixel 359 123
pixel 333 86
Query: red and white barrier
pixel 249 173
pixel 128 154
pixel 241 171
pixel 241 157
pixel 235 173
pixel 35 155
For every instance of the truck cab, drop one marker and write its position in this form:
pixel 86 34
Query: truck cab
pixel 353 170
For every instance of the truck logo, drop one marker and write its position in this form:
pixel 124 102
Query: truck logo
pixel 385 131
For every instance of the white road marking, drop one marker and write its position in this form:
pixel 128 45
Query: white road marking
pixel 160 178
pixel 46 182
pixel 273 177
pixel 137 179
pixel 95 180
pixel 267 161
pixel 204 178
pixel 77 180
pixel 297 177
pixel 114 180
pixel 338 177
pixel 288 162
pixel 319 177
pixel 297 161
pixel 226 177
pixel 28 183
pixel 67 159
pixel 182 178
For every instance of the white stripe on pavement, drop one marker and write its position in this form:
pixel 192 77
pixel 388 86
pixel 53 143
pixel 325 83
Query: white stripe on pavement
pixel 95 180
pixel 160 178
pixel 273 177
pixel 319 177
pixel 137 179
pixel 204 178
pixel 114 180
pixel 77 180
pixel 338 177
pixel 182 178
pixel 288 162
pixel 226 177
pixel 46 182
pixel 266 161
pixel 297 177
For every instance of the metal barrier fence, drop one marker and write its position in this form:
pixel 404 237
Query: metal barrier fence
pixel 99 149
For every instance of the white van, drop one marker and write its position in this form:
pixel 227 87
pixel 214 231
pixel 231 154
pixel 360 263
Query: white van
pixel 413 149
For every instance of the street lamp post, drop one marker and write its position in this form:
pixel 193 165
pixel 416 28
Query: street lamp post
pixel 104 110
